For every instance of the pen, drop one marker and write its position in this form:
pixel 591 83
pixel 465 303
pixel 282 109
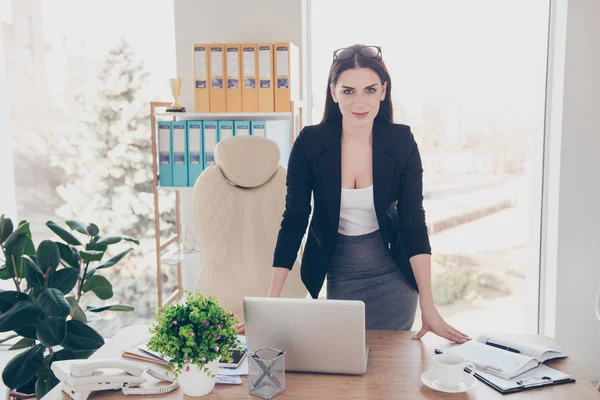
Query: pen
pixel 502 347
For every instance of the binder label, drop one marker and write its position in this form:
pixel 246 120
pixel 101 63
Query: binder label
pixel 282 83
pixel 194 144
pixel 265 83
pixel 164 144
pixel 233 83
pixel 201 84
pixel 200 63
pixel 217 83
pixel 210 141
pixel 249 83
pixel 179 144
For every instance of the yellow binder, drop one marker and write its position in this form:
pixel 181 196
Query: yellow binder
pixel 216 73
pixel 234 77
pixel 201 91
pixel 250 78
pixel 266 99
pixel 287 75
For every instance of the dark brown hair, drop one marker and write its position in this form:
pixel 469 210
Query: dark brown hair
pixel 358 60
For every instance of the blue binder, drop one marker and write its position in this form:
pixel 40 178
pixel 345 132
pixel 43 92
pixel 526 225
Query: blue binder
pixel 258 128
pixel 165 154
pixel 209 142
pixel 179 145
pixel 195 152
pixel 225 130
pixel 242 128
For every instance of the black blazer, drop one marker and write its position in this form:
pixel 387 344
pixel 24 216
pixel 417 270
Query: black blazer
pixel 315 166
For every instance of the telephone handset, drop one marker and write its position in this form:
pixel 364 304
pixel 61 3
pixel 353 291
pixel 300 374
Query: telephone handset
pixel 81 377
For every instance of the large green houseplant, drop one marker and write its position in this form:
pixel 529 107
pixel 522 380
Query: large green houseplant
pixel 44 308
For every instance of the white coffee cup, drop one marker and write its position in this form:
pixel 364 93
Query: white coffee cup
pixel 449 369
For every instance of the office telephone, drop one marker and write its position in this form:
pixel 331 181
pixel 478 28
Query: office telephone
pixel 81 377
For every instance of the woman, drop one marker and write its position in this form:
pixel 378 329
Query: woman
pixel 368 231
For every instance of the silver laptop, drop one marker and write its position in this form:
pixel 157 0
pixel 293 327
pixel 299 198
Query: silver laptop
pixel 317 335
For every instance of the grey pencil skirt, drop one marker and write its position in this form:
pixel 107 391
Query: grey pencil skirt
pixel 361 269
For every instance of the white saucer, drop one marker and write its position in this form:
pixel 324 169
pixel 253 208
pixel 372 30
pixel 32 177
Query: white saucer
pixel 467 382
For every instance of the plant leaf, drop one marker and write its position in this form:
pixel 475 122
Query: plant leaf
pixel 95 246
pixel 108 240
pixel 23 344
pixel 21 229
pixel 53 303
pixel 48 256
pixel 62 355
pixel 68 255
pixel 4 275
pixel 76 311
pixel 34 276
pixel 100 286
pixel 52 331
pixel 76 225
pixel 46 381
pixel 20 315
pixel 33 264
pixel 23 367
pixel 91 255
pixel 92 229
pixel 64 280
pixel 114 260
pixel 22 245
pixel 81 337
pixel 63 234
pixel 27 331
pixel 9 298
pixel 6 228
pixel 115 307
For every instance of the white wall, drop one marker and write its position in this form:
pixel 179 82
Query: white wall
pixel 572 217
pixel 7 176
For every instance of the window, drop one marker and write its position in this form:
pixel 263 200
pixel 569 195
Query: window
pixel 469 78
pixel 83 151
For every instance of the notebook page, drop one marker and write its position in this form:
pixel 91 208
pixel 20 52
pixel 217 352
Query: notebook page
pixel 539 352
pixel 510 364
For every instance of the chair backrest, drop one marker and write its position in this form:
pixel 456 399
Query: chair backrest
pixel 238 205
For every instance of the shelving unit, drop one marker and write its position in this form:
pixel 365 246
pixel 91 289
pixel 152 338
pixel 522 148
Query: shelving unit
pixel 174 255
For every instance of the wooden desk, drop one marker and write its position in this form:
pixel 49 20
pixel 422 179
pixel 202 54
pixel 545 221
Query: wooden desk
pixel 396 363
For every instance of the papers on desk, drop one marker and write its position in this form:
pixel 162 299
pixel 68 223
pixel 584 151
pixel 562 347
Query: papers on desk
pixel 503 357
pixel 539 376
pixel 509 366
pixel 230 376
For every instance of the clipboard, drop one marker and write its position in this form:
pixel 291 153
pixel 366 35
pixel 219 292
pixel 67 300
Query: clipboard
pixel 523 384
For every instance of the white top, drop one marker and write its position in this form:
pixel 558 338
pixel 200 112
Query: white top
pixel 357 212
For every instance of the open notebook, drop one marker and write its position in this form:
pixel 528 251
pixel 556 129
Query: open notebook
pixel 503 358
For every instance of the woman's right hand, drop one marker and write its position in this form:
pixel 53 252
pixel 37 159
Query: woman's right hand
pixel 241 328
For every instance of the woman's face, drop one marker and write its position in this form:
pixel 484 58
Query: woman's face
pixel 359 92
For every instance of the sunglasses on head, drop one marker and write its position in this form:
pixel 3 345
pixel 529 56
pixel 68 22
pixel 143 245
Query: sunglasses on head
pixel 365 51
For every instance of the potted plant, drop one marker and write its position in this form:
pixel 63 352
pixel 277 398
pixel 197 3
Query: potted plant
pixel 194 337
pixel 43 309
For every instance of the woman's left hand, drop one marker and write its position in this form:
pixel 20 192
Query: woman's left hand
pixel 433 322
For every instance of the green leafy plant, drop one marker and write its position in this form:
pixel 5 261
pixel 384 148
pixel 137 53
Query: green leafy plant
pixel 194 333
pixel 44 308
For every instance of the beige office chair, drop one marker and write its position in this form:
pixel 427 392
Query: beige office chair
pixel 237 209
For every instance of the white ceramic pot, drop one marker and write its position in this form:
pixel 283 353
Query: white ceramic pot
pixel 195 382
